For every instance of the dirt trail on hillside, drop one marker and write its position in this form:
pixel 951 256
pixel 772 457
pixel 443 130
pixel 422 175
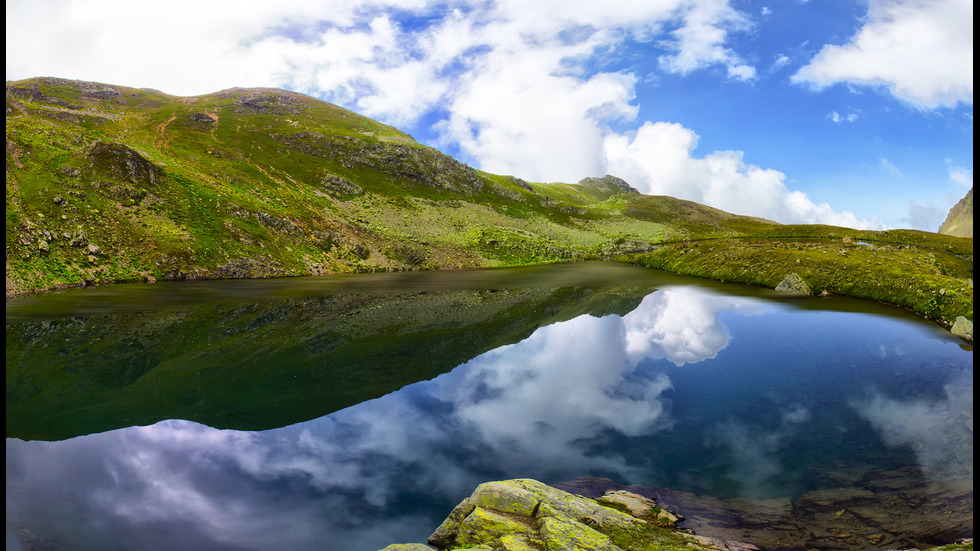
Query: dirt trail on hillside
pixel 164 141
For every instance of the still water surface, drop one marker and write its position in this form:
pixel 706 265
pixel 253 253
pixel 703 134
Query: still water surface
pixel 641 378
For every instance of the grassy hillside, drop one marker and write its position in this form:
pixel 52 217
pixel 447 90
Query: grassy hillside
pixel 107 184
pixel 253 183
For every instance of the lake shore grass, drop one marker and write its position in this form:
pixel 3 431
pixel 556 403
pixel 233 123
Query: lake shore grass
pixel 935 283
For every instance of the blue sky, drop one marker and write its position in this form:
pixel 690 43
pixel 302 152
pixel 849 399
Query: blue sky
pixel 858 113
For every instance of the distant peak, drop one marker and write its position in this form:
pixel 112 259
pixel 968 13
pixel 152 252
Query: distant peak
pixel 959 221
pixel 609 182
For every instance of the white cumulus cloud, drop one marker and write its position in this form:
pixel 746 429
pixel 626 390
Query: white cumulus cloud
pixel 920 50
pixel 511 87
pixel 658 159
pixel 961 176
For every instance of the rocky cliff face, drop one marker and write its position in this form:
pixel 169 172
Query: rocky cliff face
pixel 959 221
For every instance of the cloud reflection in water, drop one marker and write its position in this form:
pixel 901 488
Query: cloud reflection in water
pixel 682 325
pixel 939 430
pixel 537 408
pixel 754 451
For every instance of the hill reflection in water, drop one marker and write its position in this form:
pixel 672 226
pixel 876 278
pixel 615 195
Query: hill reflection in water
pixel 690 390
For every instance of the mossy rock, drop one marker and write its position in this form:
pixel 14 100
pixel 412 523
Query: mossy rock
pixel 522 514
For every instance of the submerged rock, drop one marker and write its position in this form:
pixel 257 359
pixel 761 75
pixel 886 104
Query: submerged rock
pixel 880 510
pixel 794 284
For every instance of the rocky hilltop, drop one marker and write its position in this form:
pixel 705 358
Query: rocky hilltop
pixel 959 221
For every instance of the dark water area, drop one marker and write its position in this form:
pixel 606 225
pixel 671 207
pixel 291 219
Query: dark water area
pixel 354 413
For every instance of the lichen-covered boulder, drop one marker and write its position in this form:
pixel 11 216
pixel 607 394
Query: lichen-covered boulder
pixel 640 507
pixel 526 514
pixel 793 284
pixel 636 504
pixel 963 328
pixel 562 533
pixel 510 498
pixel 486 525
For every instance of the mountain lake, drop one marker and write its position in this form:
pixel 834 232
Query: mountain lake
pixel 353 412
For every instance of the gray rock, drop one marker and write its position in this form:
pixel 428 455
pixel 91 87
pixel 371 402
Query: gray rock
pixel 76 239
pixel 267 102
pixel 512 514
pixel 201 117
pixel 609 183
pixel 122 162
pixel 963 328
pixel 862 508
pixel 279 224
pixel 341 187
pixel 70 172
pixel 408 547
pixel 793 284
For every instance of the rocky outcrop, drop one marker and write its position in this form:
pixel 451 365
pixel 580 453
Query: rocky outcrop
pixel 94 90
pixel 959 221
pixel 32 92
pixel 266 102
pixel 609 183
pixel 411 163
pixel 419 165
pixel 201 117
pixel 524 514
pixel 340 188
pixel 520 513
pixel 793 284
pixel 280 225
pixel 120 162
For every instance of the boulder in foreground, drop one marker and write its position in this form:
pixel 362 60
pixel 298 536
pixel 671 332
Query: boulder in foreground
pixel 524 514
pixel 963 328
pixel 793 284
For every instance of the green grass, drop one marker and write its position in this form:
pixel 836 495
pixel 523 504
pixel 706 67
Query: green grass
pixel 931 282
pixel 237 189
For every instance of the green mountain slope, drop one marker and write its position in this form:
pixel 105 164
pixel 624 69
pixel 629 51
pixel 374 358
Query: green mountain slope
pixel 108 183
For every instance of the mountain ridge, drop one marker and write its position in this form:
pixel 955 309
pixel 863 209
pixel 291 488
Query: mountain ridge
pixel 110 184
pixel 141 159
